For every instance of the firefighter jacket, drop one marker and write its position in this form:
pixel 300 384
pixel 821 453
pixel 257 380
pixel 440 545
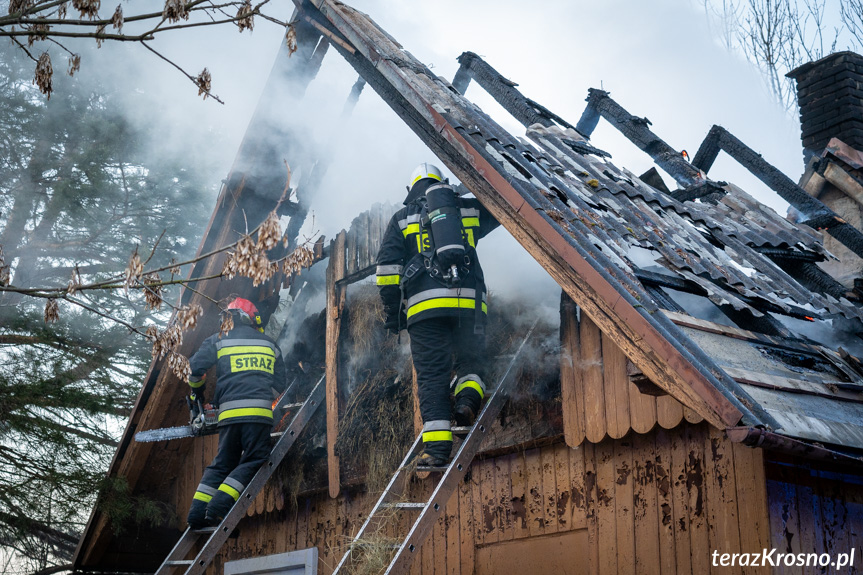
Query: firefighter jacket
pixel 401 274
pixel 250 368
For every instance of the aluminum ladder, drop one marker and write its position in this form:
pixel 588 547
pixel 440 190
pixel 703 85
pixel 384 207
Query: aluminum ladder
pixel 214 537
pixel 449 476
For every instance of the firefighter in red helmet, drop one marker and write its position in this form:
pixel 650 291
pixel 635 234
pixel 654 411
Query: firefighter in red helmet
pixel 250 373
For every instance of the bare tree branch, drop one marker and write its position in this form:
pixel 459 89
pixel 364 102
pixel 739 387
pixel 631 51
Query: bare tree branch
pixel 780 35
pixel 47 21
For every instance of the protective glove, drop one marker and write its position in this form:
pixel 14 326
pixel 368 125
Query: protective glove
pixel 197 386
pixel 396 320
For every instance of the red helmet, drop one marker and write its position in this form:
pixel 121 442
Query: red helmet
pixel 248 308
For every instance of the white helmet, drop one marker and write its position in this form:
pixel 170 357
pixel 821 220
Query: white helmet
pixel 425 170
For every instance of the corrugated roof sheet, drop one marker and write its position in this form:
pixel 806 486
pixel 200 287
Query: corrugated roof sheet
pixel 712 245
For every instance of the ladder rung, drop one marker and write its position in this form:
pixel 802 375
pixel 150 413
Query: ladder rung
pixel 405 505
pixel 291 405
pixel 362 544
pixel 441 469
pixel 178 563
pixel 204 530
pixel 277 434
pixel 461 430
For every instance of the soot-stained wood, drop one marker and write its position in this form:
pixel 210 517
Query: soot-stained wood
pixel 645 504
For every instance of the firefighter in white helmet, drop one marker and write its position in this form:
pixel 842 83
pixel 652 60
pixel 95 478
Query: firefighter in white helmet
pixel 431 283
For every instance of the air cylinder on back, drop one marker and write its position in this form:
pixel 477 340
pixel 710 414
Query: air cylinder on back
pixel 446 229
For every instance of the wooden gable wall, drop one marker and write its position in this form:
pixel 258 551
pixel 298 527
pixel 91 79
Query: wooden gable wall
pixel 814 509
pixel 645 503
pixel 599 400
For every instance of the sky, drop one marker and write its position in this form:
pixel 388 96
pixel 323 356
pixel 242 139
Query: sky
pixel 660 59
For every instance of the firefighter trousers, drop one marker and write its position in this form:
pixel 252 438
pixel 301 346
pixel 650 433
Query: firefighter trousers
pixel 439 345
pixel 243 448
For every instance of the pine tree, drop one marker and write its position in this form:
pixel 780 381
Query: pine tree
pixel 80 190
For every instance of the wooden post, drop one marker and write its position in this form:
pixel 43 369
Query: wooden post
pixel 571 380
pixel 335 306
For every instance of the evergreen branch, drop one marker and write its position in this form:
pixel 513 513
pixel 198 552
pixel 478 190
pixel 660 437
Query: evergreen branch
pixel 66 429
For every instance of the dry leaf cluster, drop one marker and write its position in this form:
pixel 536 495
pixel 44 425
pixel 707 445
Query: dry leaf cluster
pixel 134 269
pixel 249 261
pixel 301 258
pixel 175 269
pixel 117 18
pixel 88 8
pixel 180 366
pixel 187 316
pixel 153 291
pixel 74 64
pixel 175 10
pixel 291 39
pixel 245 17
pixel 52 311
pixel 17 6
pixel 165 341
pixel 99 31
pixel 38 32
pixel 227 323
pixel 204 82
pixel 74 282
pixel 44 72
pixel 269 233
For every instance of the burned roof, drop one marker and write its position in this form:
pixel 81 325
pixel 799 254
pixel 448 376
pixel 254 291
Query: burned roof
pixel 713 245
pixel 622 248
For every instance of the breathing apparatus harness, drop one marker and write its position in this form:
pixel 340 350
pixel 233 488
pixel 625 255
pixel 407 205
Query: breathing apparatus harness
pixel 446 257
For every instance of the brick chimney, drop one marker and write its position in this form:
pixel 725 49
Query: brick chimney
pixel 830 95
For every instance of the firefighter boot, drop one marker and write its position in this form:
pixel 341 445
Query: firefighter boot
pixel 434 454
pixel 219 507
pixel 469 392
pixel 197 514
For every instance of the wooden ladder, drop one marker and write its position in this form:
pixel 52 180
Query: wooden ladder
pixel 449 477
pixel 178 560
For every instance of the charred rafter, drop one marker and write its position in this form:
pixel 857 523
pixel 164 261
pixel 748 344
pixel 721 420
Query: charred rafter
pixel 501 89
pixel 600 104
pixel 815 213
pixel 687 286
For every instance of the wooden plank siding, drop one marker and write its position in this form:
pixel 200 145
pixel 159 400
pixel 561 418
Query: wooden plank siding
pixel 649 503
pixel 599 401
pixel 813 510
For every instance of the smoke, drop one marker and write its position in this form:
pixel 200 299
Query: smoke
pixel 658 59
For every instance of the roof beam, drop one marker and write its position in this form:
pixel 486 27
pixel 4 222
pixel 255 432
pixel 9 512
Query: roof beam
pixel 600 104
pixel 814 212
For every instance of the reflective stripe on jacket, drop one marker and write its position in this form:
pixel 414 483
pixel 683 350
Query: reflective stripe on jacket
pixel 425 296
pixel 250 369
